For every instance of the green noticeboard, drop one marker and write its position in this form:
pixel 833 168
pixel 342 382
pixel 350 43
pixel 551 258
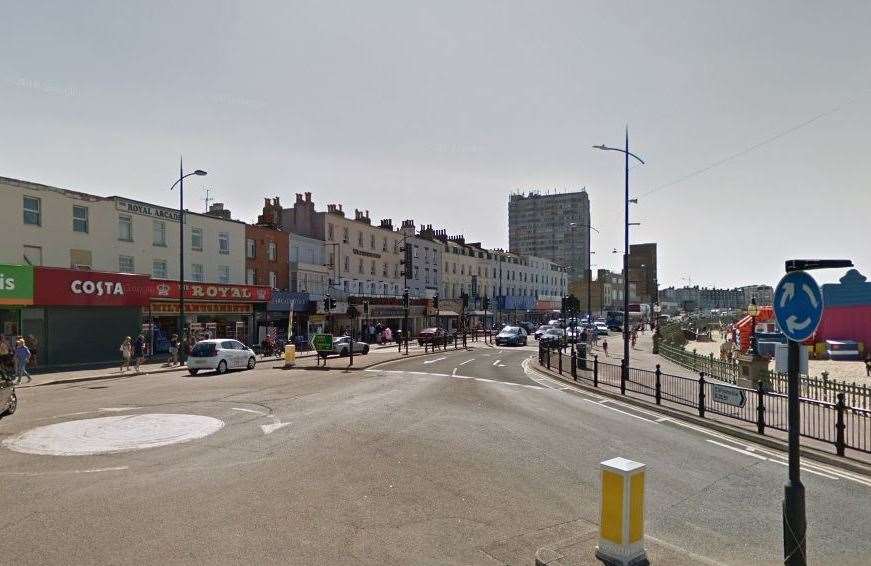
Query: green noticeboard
pixel 16 285
pixel 322 342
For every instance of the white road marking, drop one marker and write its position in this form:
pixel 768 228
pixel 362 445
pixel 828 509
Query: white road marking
pixel 117 409
pixel 270 428
pixel 249 411
pixel 804 469
pixel 503 366
pixel 467 361
pixel 454 372
pixel 736 449
pixel 602 404
pixel 106 435
pixel 58 472
pixel 496 363
pixel 435 360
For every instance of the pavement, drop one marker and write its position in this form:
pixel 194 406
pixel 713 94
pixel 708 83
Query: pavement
pixel 459 457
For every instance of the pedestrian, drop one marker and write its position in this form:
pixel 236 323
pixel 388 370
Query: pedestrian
pixel 605 346
pixel 868 364
pixel 138 352
pixel 173 350
pixel 22 356
pixel 126 350
pixel 634 338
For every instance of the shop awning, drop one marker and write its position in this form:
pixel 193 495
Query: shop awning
pixel 448 313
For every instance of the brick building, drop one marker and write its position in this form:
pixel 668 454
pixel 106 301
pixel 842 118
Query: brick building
pixel 266 255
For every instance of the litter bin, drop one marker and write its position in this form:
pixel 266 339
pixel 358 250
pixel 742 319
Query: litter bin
pixel 289 355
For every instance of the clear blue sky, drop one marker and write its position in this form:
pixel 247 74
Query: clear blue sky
pixel 436 111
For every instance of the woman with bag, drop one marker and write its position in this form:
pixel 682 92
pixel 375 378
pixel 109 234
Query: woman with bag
pixel 126 350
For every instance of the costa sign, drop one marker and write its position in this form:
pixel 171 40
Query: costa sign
pixel 165 289
pixel 56 286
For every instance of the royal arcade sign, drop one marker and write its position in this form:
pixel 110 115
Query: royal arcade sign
pixel 133 207
pixel 165 289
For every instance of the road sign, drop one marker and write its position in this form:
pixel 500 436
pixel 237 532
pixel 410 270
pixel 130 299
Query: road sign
pixel 322 342
pixel 729 395
pixel 798 305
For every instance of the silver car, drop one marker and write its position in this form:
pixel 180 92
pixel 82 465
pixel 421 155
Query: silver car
pixel 342 346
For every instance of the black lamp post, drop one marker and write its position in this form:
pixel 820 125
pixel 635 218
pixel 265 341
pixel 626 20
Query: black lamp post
pixel 626 153
pixel 180 183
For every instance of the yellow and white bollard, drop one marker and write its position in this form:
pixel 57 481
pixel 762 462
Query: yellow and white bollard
pixel 289 355
pixel 621 520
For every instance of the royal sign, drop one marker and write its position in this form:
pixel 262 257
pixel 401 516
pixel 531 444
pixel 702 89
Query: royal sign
pixel 165 289
pixel 16 285
pixel 57 286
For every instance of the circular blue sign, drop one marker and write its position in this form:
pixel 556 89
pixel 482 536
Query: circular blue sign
pixel 798 305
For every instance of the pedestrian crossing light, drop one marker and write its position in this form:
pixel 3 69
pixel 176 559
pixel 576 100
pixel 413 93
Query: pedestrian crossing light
pixel 435 301
pixel 366 308
pixel 405 299
pixel 486 303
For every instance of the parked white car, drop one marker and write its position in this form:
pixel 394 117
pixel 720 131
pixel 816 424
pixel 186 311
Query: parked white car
pixel 220 355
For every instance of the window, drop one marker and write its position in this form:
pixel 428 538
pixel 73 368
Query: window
pixel 250 248
pixel 125 227
pixel 372 268
pixel 32 255
pixel 360 266
pixel 197 239
pixel 159 233
pixel 345 234
pixel 384 247
pixel 80 219
pixel 271 250
pixel 224 243
pixel 345 286
pixel 158 268
pixel 33 211
pixel 125 264
pixel 223 274
pixel 80 259
pixel 360 287
pixel 250 276
pixel 330 232
pixel 347 263
pixel 384 270
pixel 273 280
pixel 197 272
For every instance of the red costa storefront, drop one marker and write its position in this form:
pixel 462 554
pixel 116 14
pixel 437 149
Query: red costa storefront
pixel 211 309
pixel 80 317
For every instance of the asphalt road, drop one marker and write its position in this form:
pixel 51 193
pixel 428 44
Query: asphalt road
pixel 455 458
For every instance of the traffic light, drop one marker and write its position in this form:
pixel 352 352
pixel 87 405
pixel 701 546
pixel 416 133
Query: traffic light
pixel 486 303
pixel 366 308
pixel 435 301
pixel 405 299
pixel 465 298
pixel 327 302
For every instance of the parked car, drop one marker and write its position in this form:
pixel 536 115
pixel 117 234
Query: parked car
pixel 553 338
pixel 220 355
pixel 601 329
pixel 8 399
pixel 511 336
pixel 342 346
pixel 541 330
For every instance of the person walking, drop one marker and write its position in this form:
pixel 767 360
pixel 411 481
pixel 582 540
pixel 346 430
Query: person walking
pixel 605 346
pixel 868 364
pixel 22 356
pixel 173 351
pixel 126 350
pixel 138 352
pixel 634 338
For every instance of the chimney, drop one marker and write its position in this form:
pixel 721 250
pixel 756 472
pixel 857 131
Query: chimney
pixel 298 198
pixel 387 224
pixel 308 196
pixel 218 211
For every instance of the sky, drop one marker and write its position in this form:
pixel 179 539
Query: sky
pixel 752 117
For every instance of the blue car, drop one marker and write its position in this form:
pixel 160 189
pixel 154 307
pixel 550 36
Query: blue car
pixel 511 336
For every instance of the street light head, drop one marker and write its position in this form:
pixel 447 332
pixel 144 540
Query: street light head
pixel 603 147
pixel 200 173
pixel 633 200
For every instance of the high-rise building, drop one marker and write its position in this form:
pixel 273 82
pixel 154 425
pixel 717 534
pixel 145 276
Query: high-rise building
pixel 552 226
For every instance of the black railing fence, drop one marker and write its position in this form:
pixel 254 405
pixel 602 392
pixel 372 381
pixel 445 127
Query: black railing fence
pixel 836 422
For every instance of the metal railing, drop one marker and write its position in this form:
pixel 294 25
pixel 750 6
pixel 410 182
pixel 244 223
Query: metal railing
pixel 821 389
pixel 838 423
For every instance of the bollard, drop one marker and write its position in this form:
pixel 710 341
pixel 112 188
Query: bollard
pixel 839 425
pixel 621 516
pixel 595 370
pixel 702 394
pixel 760 408
pixel 658 385
pixel 623 372
pixel 289 355
pixel 574 365
pixel 559 354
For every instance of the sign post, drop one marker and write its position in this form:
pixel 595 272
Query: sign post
pixel 798 308
pixel 323 345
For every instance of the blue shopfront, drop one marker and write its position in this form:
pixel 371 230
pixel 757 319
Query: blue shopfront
pixel 285 308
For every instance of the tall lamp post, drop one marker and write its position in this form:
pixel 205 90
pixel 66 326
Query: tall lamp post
pixel 180 182
pixel 626 153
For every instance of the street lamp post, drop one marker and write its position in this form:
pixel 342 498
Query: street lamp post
pixel 626 153
pixel 180 183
